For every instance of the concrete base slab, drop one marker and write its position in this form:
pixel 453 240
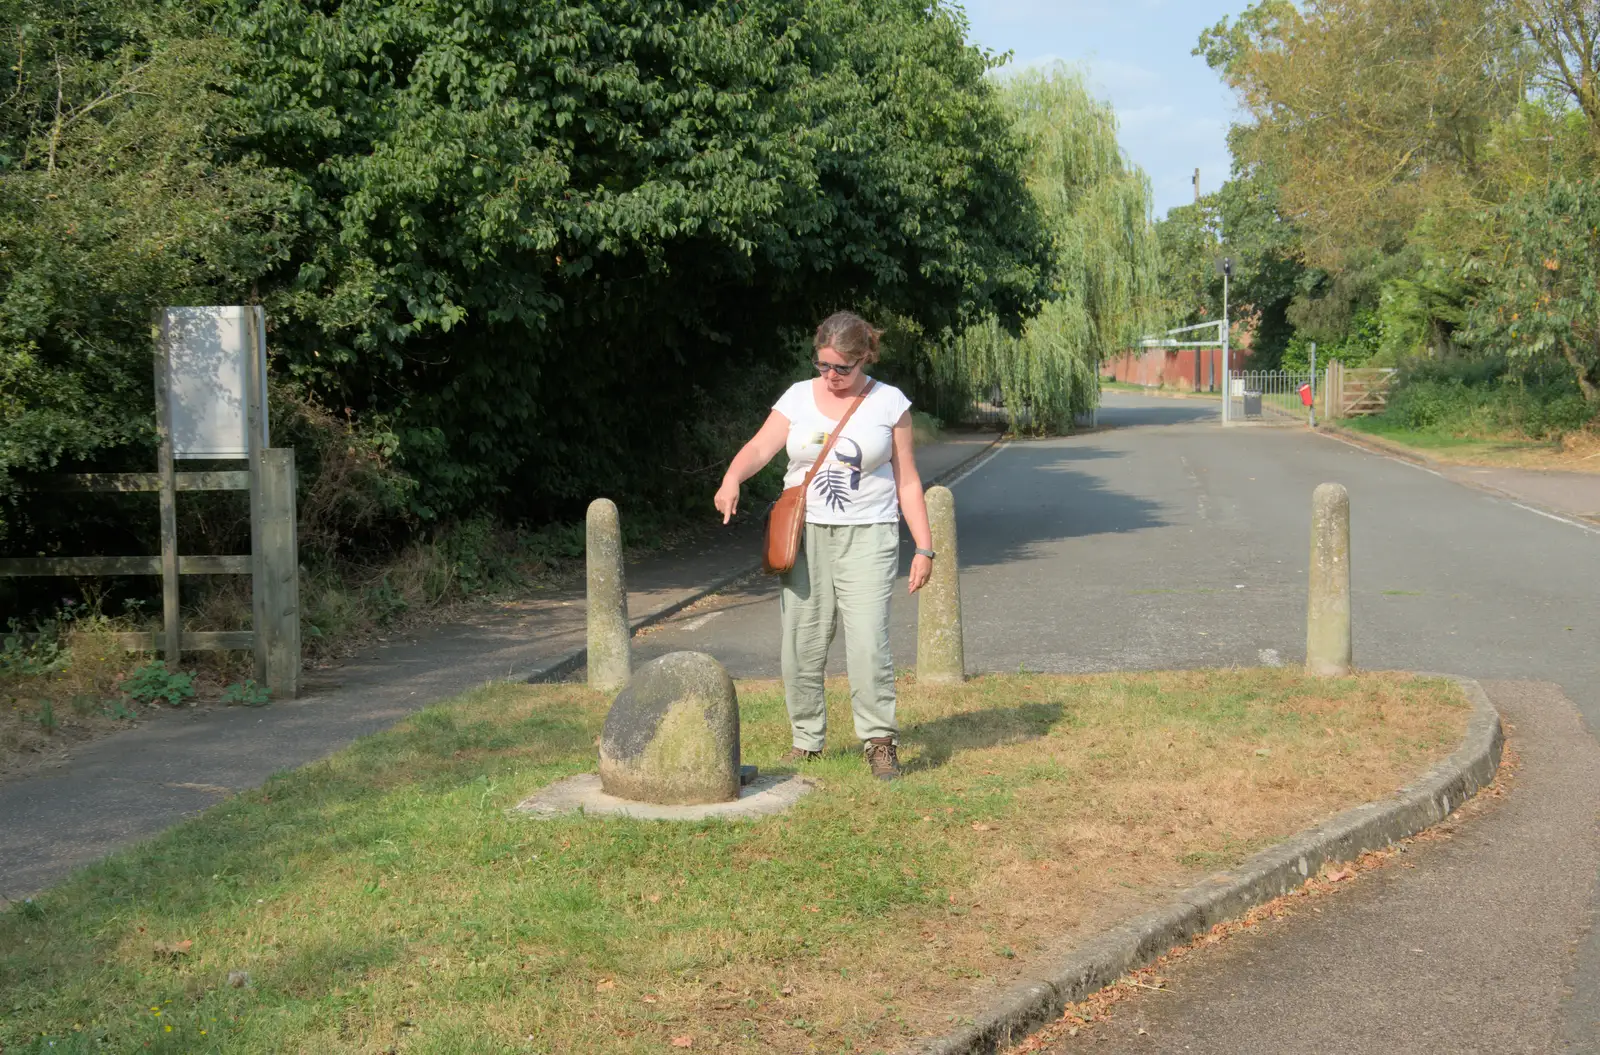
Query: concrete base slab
pixel 768 794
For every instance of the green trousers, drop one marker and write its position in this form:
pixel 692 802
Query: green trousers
pixel 848 571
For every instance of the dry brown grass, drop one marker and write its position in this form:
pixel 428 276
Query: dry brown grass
pixel 385 899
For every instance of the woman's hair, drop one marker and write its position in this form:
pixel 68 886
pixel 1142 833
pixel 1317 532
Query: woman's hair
pixel 850 335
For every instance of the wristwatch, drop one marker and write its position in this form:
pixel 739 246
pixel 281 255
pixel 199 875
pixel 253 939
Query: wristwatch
pixel 925 553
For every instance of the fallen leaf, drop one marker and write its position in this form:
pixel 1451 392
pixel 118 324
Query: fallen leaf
pixel 949 809
pixel 1143 1032
pixel 787 990
pixel 983 827
pixel 605 985
pixel 1341 874
pixel 651 998
pixel 173 948
pixel 654 899
pixel 812 908
pixel 683 1042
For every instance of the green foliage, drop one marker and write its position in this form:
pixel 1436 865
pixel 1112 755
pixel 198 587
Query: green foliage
pixel 1263 244
pixel 154 681
pixel 1436 157
pixel 47 716
pixel 246 693
pixel 546 232
pixel 28 655
pixel 116 195
pixel 1096 207
pixel 1543 301
pixel 513 254
pixel 118 710
pixel 1486 397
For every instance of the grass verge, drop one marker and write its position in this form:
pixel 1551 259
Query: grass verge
pixel 1157 390
pixel 385 900
pixel 1570 452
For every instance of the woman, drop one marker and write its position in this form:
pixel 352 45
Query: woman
pixel 851 550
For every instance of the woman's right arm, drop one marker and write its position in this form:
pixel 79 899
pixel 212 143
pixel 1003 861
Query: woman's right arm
pixel 751 459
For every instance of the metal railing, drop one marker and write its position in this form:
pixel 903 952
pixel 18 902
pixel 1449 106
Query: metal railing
pixel 1269 396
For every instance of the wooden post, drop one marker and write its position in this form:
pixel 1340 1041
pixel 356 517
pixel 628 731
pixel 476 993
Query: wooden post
pixel 941 652
pixel 260 593
pixel 171 616
pixel 276 587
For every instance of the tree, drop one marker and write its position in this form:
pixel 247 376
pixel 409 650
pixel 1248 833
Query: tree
pixel 1265 249
pixel 1544 299
pixel 117 195
pixel 552 238
pixel 1095 206
pixel 1372 112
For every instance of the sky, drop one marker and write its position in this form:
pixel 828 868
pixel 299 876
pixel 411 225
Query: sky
pixel 1173 110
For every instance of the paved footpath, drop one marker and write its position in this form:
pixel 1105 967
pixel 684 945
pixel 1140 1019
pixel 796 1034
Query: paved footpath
pixel 1463 944
pixel 129 786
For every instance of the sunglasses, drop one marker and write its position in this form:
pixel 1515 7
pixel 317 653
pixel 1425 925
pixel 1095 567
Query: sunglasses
pixel 823 368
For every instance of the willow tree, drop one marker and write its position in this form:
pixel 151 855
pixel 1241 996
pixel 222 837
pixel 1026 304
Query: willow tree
pixel 1096 206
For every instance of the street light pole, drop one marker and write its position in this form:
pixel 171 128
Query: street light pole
pixel 1227 374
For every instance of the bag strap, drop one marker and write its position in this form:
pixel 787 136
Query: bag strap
pixel 827 447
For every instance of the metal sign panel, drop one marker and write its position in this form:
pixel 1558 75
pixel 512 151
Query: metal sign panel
pixel 209 353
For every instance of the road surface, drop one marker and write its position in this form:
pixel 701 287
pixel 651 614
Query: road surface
pixel 1165 541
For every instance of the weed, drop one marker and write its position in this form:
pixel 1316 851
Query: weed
pixel 154 681
pixel 246 693
pixel 47 716
pixel 117 710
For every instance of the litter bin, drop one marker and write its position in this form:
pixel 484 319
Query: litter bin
pixel 1252 404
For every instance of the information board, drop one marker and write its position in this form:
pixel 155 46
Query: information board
pixel 209 354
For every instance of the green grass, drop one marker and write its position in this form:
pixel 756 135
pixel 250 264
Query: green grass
pixel 1375 425
pixel 386 899
pixel 1143 390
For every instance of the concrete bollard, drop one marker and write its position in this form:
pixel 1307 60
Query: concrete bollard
pixel 941 655
pixel 610 652
pixel 1328 651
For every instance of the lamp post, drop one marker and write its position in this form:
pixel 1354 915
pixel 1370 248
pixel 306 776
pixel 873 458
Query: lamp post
pixel 1227 378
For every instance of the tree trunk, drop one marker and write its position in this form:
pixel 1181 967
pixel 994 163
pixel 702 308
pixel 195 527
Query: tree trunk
pixel 1591 394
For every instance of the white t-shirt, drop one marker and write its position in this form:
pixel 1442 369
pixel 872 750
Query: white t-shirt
pixel 857 486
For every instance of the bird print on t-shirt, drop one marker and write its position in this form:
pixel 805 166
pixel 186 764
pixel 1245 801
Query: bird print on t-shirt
pixel 835 483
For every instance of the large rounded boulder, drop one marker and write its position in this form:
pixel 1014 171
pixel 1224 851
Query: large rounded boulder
pixel 672 736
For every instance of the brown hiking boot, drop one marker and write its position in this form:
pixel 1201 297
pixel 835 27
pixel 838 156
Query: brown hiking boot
pixel 797 755
pixel 883 758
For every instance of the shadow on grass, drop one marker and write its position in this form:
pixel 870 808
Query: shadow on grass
pixel 942 738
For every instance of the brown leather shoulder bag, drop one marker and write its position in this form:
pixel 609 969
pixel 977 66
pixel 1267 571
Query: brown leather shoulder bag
pixel 786 520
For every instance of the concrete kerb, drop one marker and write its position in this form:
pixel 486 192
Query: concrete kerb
pixel 1269 874
pixel 575 660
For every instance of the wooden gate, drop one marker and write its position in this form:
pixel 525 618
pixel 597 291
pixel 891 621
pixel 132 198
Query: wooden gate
pixel 1356 391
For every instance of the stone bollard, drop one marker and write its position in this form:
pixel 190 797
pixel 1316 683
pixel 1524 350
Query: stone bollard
pixel 610 653
pixel 941 656
pixel 672 736
pixel 1328 651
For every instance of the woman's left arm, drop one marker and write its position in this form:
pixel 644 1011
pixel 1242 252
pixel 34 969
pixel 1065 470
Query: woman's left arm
pixel 913 507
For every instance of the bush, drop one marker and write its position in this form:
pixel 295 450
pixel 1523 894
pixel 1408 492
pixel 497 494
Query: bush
pixel 1486 397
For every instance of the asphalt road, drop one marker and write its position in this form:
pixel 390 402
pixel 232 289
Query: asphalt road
pixel 1165 541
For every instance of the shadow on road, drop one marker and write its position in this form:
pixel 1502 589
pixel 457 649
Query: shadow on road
pixel 941 738
pixel 1044 492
